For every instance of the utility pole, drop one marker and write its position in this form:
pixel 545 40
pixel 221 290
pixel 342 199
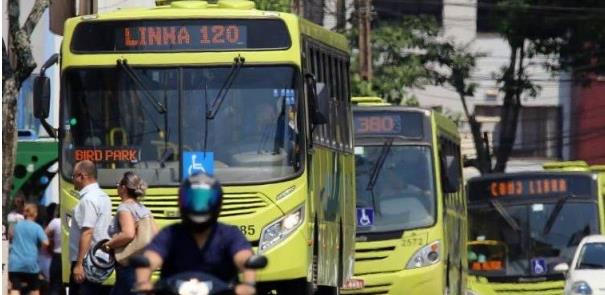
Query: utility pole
pixel 365 47
pixel 87 7
pixel 341 16
pixel 297 7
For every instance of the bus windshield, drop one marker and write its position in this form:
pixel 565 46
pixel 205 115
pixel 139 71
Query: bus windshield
pixel 123 124
pixel 498 249
pixel 402 194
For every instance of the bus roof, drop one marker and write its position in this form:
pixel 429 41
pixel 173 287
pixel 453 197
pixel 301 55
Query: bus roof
pixel 566 166
pixel 224 9
pixel 369 101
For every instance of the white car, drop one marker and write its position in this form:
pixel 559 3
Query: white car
pixel 586 275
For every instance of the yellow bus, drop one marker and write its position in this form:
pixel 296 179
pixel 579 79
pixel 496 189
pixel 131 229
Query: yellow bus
pixel 521 225
pixel 259 99
pixel 411 212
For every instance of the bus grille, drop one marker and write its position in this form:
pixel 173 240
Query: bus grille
pixel 238 204
pixel 370 254
pixel 164 207
pixel 527 289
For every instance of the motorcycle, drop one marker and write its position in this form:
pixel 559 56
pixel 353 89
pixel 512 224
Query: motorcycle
pixel 194 283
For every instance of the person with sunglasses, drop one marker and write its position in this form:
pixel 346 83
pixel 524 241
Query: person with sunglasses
pixel 199 243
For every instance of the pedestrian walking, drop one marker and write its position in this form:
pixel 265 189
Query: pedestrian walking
pixel 123 230
pixel 53 231
pixel 28 238
pixel 91 218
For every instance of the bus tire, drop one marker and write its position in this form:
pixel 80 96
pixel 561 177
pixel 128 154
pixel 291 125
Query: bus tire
pixel 327 290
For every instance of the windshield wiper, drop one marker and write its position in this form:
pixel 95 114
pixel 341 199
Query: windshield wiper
pixel 555 213
pixel 375 172
pixel 509 219
pixel 123 63
pixel 211 112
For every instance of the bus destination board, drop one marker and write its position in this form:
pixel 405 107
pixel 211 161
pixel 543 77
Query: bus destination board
pixel 180 35
pixel 528 185
pixel 407 124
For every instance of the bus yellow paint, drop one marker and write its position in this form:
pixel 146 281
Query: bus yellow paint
pixel 414 144
pixel 304 173
pixel 500 219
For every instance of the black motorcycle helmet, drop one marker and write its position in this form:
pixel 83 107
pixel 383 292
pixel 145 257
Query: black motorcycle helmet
pixel 200 200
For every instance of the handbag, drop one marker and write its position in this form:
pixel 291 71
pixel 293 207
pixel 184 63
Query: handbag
pixel 145 230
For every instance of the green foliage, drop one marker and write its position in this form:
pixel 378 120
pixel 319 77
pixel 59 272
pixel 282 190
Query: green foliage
pixel 405 55
pixel 273 5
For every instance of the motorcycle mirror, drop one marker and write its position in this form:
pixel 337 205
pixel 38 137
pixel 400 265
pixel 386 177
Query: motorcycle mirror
pixel 138 261
pixel 256 262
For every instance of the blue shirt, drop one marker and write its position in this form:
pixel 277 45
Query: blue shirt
pixel 180 253
pixel 27 238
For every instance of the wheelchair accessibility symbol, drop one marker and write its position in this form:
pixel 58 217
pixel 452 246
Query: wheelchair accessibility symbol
pixel 365 217
pixel 538 266
pixel 198 162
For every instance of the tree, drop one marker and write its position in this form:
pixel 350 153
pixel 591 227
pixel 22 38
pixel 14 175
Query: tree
pixel 17 65
pixel 407 54
pixel 570 33
pixel 273 5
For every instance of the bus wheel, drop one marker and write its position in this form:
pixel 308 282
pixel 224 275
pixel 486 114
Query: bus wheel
pixel 298 287
pixel 325 290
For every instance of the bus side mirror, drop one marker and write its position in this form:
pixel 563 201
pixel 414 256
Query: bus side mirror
pixel 319 103
pixel 561 268
pixel 450 169
pixel 41 97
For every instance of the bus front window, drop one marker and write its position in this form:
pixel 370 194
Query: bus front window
pixel 402 194
pixel 123 124
pixel 533 241
pixel 254 135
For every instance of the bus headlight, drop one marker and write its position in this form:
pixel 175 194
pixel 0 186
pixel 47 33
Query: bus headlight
pixel 427 255
pixel 280 229
pixel 581 287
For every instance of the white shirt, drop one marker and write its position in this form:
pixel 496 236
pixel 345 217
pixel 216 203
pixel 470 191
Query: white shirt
pixel 55 227
pixel 93 211
pixel 14 217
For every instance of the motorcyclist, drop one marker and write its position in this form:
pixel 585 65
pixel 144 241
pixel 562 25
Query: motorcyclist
pixel 199 243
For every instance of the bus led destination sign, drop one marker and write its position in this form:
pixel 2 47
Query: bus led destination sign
pixel 389 123
pixel 527 187
pixel 215 36
pixel 179 35
pixel 531 185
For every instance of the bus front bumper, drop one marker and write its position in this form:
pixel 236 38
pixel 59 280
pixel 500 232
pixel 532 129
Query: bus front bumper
pixel 425 280
pixel 290 259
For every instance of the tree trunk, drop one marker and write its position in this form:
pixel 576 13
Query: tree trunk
pixel 314 11
pixel 10 93
pixel 483 158
pixel 511 107
pixel 17 65
pixel 484 163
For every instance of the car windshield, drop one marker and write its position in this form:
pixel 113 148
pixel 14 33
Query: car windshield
pixel 401 195
pixel 592 256
pixel 121 124
pixel 515 239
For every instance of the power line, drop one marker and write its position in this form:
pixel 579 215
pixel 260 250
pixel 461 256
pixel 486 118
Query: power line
pixel 558 139
pixel 500 6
